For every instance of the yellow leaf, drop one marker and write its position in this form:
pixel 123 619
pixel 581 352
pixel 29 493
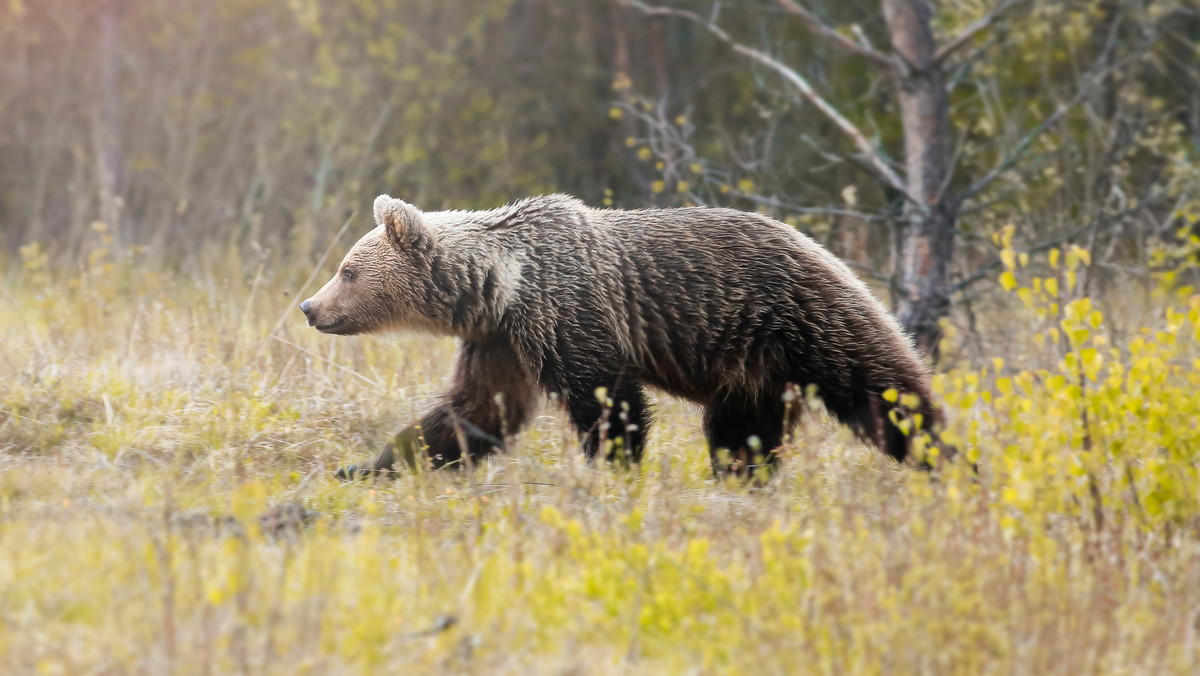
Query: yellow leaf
pixel 1052 286
pixel 1008 258
pixel 615 113
pixel 658 186
pixel 890 395
pixel 1007 281
pixel 1054 253
pixel 682 186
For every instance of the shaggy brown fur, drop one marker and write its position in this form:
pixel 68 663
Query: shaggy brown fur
pixel 720 307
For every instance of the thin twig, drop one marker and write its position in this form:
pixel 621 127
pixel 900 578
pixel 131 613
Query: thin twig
pixel 441 624
pixel 891 63
pixel 982 272
pixel 1022 146
pixel 984 269
pixel 974 29
pixel 317 268
pixel 329 361
pixel 877 162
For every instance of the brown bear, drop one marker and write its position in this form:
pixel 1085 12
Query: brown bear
pixel 725 308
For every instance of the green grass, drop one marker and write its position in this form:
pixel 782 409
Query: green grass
pixel 167 505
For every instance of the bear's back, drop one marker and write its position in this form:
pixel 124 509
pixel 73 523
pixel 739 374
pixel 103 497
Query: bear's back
pixel 699 299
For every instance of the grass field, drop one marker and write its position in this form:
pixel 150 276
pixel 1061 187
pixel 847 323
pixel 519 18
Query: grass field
pixel 167 506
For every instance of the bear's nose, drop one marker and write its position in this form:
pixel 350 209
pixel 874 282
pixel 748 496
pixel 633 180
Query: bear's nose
pixel 306 308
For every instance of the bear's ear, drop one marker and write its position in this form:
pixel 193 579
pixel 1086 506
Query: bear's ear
pixel 401 221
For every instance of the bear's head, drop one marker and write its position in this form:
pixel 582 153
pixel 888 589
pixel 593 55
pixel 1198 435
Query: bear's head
pixel 381 280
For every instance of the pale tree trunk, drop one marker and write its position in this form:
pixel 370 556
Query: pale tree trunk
pixel 928 240
pixel 107 129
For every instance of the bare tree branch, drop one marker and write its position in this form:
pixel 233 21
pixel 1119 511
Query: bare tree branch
pixel 672 146
pixel 956 71
pixel 789 206
pixel 985 269
pixel 822 29
pixel 976 27
pixel 1018 151
pixel 877 162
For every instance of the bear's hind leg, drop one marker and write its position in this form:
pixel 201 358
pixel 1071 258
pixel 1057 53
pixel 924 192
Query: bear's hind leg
pixel 743 436
pixel 621 427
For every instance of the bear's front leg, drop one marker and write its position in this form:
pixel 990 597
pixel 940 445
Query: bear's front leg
pixel 491 397
pixel 404 445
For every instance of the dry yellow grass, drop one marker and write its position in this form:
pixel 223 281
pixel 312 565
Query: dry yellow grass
pixel 167 505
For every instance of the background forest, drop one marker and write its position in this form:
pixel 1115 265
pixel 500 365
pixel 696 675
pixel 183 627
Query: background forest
pixel 1018 178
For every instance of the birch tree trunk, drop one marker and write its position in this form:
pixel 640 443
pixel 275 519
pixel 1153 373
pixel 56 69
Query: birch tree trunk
pixel 928 241
pixel 108 125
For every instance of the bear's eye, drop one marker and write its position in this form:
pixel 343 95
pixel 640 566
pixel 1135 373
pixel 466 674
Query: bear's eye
pixel 348 274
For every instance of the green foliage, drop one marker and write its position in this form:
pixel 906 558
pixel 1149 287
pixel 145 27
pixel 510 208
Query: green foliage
pixel 1065 124
pixel 265 121
pixel 167 504
pixel 168 429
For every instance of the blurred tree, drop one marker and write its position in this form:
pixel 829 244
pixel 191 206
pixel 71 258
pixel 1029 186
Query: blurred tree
pixel 259 121
pixel 903 134
pixel 107 126
pixel 938 179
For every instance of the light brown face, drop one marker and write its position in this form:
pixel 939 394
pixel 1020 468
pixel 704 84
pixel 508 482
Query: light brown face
pixel 380 280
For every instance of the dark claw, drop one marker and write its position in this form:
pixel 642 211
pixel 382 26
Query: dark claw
pixel 356 472
pixel 352 472
pixel 384 465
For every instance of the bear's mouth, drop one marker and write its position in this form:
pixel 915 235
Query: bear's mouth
pixel 332 326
